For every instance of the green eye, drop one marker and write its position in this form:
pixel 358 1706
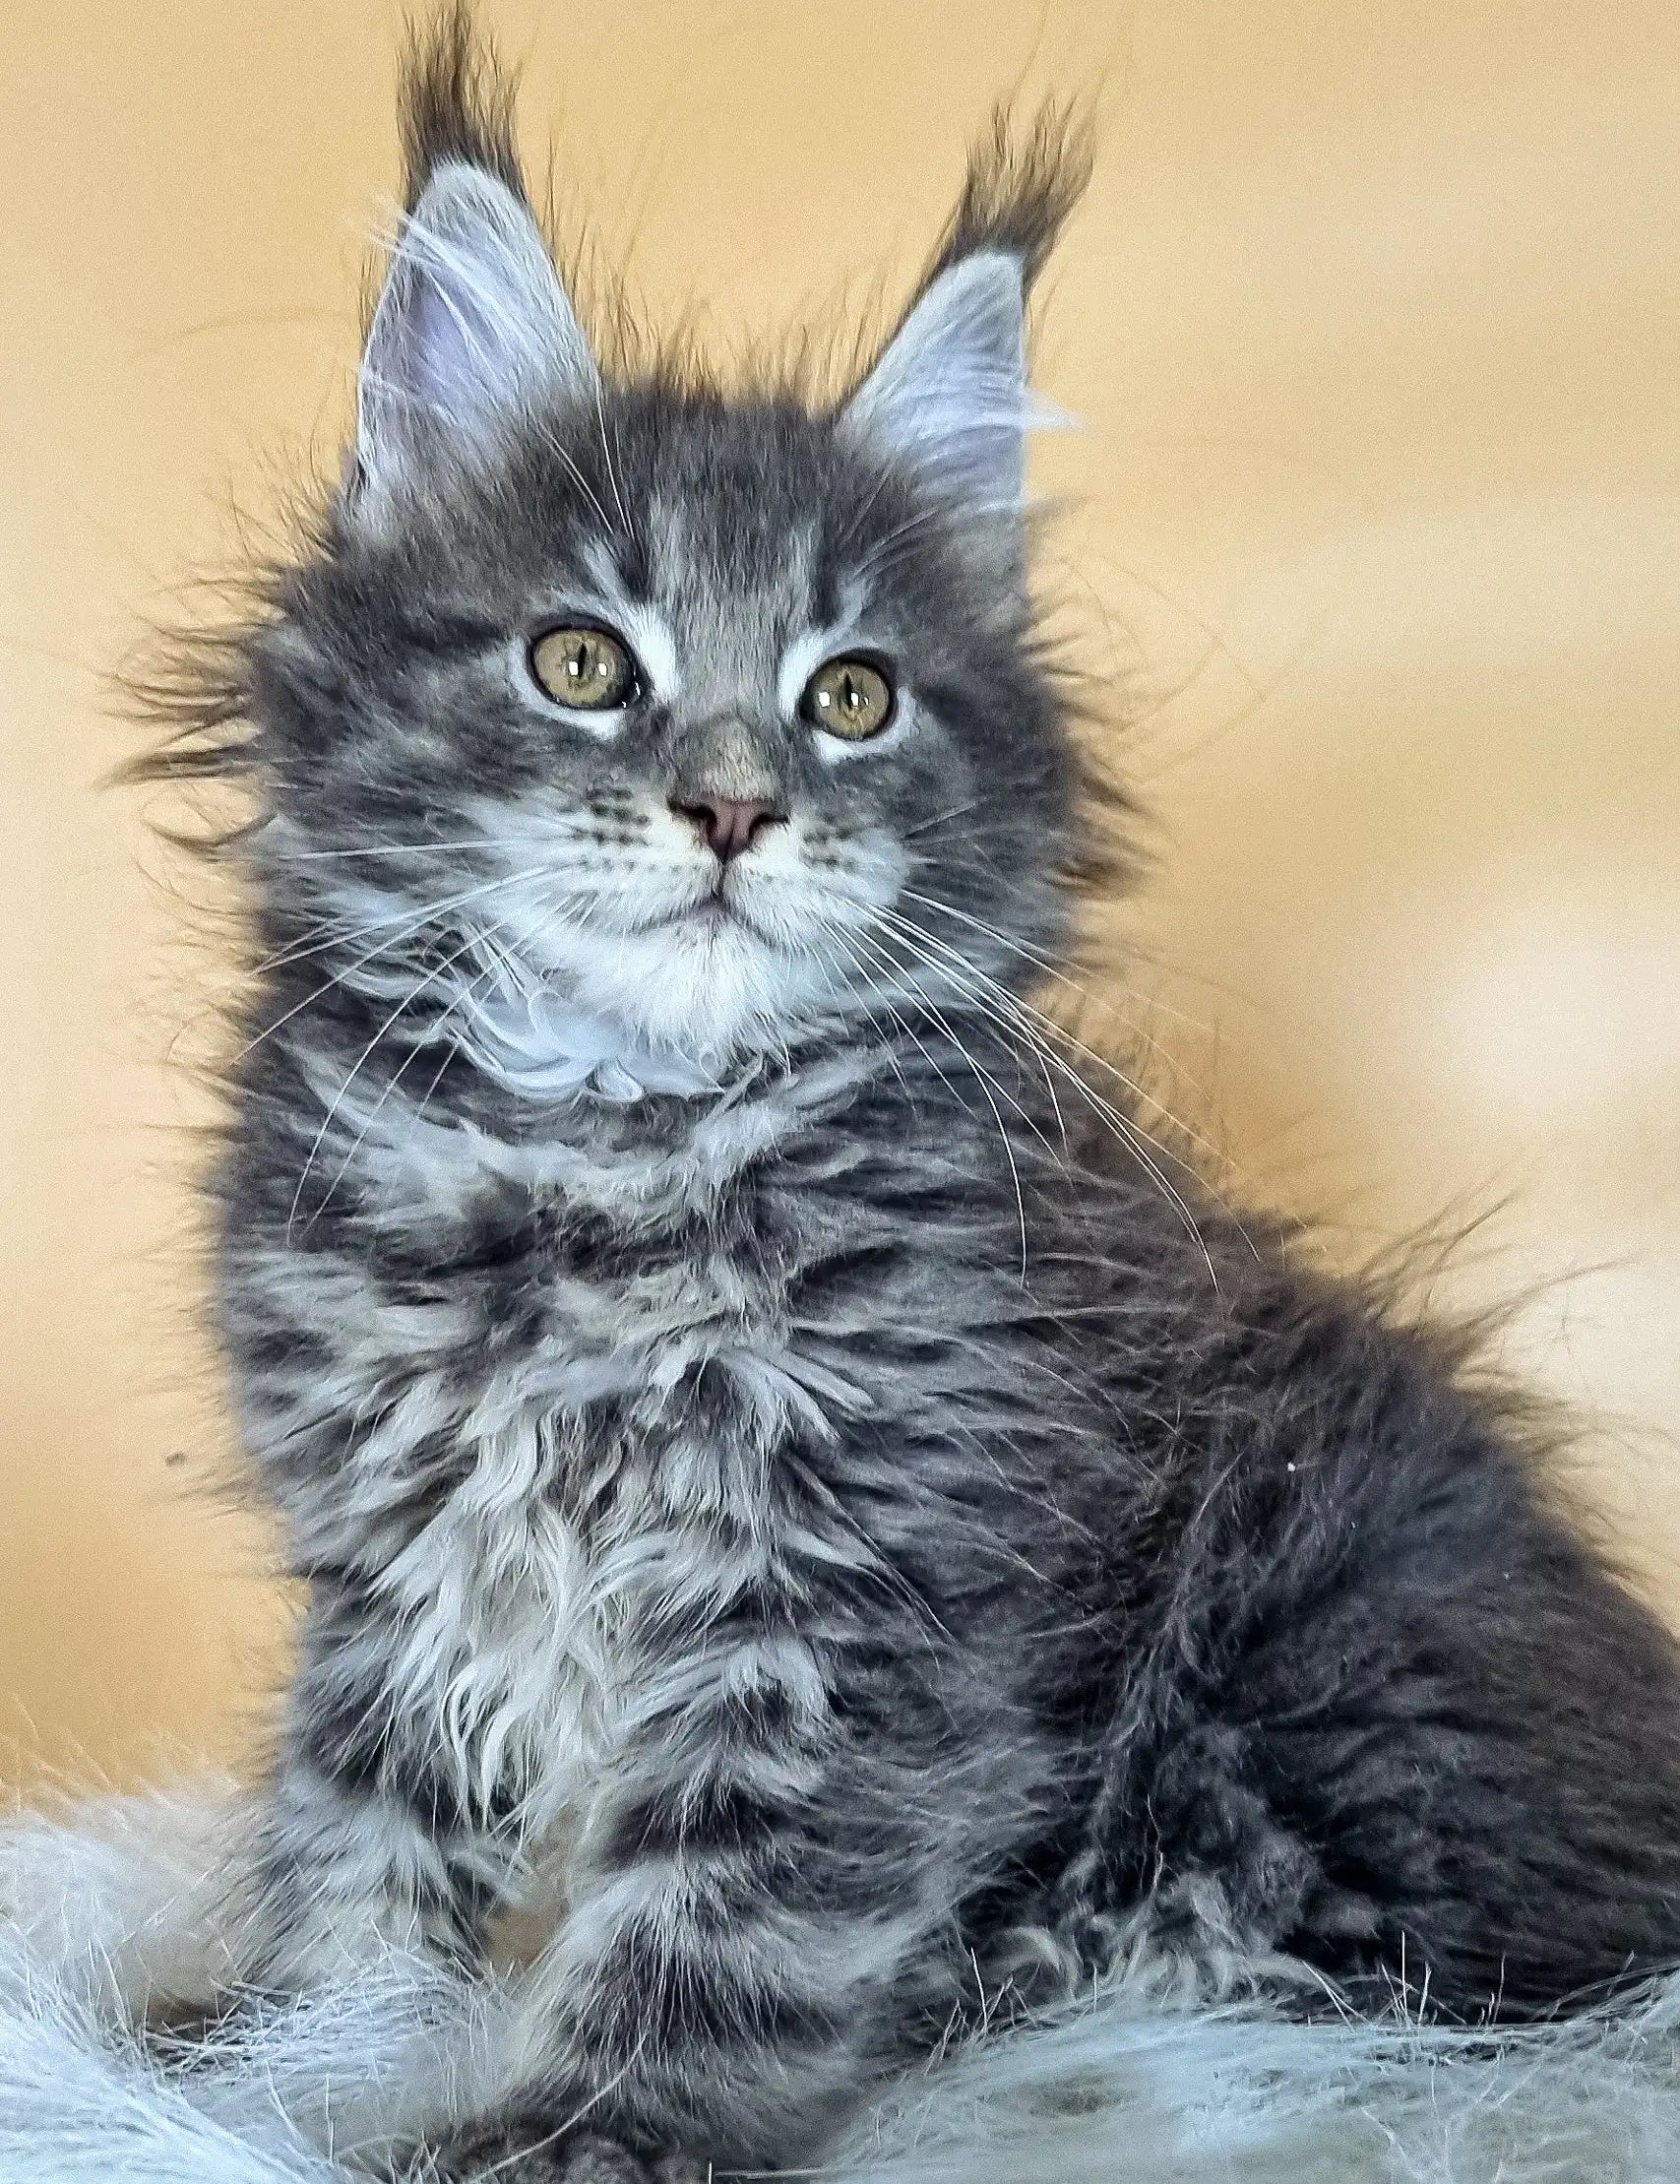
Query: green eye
pixel 589 669
pixel 847 698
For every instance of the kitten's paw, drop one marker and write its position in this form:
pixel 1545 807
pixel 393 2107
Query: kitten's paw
pixel 523 2156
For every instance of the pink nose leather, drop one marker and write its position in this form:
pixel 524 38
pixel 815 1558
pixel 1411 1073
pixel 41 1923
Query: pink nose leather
pixel 728 826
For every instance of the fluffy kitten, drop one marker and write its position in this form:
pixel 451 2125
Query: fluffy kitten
pixel 762 1440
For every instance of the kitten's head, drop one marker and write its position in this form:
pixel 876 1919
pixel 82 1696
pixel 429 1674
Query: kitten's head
pixel 702 719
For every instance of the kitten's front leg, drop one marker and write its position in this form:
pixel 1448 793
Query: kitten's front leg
pixel 345 1877
pixel 764 1906
pixel 368 1878
pixel 364 1852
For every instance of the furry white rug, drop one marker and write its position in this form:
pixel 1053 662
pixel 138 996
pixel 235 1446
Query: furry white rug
pixel 105 1906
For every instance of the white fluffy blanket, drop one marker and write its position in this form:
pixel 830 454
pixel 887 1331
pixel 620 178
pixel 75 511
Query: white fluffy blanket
pixel 108 1903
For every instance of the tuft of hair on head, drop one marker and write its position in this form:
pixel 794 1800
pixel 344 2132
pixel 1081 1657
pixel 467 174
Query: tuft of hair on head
pixel 1021 187
pixel 455 104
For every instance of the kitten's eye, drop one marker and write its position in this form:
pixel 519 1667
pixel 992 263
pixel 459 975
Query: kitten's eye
pixel 847 698
pixel 588 669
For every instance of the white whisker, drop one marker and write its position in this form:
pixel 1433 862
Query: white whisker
pixel 1061 975
pixel 437 970
pixel 415 925
pixel 1050 1023
pixel 462 1000
pixel 383 849
pixel 987 1084
pixel 1006 1012
pixel 606 456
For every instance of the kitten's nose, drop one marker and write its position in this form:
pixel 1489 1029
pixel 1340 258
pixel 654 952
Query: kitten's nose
pixel 726 824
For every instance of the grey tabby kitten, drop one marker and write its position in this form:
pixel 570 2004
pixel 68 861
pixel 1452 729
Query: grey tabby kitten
pixel 761 1444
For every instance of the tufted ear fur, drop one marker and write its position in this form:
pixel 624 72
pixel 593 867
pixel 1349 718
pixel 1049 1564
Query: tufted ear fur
pixel 473 325
pixel 948 398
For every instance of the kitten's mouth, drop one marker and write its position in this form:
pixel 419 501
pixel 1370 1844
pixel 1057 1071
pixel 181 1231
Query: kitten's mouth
pixel 717 913
pixel 711 914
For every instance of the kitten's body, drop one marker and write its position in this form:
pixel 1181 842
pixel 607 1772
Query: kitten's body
pixel 757 1436
pixel 904 1632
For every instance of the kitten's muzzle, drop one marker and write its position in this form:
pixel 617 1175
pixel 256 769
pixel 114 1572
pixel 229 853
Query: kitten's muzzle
pixel 724 824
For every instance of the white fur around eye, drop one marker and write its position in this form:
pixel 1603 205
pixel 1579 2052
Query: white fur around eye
pixel 839 750
pixel 800 663
pixel 656 648
pixel 652 648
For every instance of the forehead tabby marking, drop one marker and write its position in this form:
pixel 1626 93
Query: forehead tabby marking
pixel 642 624
pixel 807 651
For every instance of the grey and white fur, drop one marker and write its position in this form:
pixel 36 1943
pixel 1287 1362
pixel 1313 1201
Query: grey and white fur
pixel 788 1476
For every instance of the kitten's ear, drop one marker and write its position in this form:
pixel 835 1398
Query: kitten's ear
pixel 473 326
pixel 947 397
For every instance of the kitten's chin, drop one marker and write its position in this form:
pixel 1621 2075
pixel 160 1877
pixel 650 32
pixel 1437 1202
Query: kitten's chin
pixel 707 984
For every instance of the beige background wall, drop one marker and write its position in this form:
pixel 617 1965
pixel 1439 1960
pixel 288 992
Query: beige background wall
pixel 1373 321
